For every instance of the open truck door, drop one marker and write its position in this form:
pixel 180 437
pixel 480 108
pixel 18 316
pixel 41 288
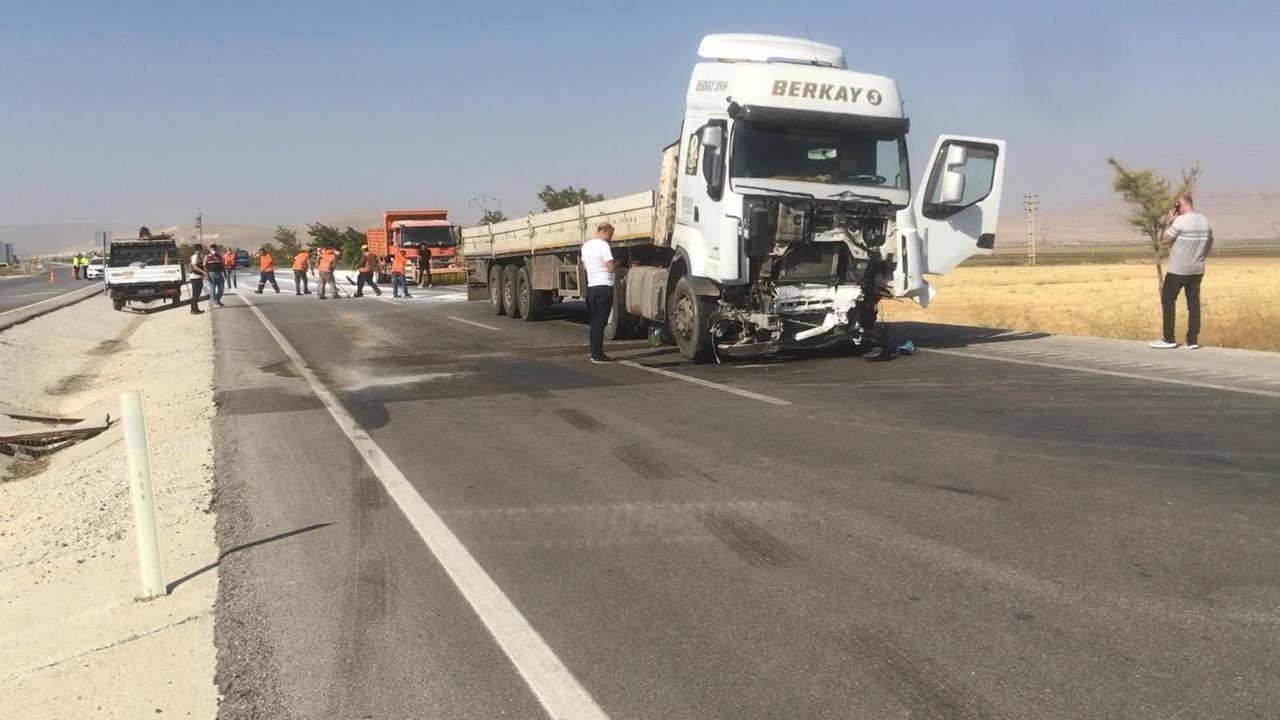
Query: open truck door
pixel 953 215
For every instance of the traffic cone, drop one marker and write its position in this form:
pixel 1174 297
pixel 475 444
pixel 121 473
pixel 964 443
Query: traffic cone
pixel 51 277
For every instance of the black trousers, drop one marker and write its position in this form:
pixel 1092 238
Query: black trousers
pixel 300 282
pixel 197 287
pixel 231 275
pixel 599 304
pixel 366 278
pixel 1173 284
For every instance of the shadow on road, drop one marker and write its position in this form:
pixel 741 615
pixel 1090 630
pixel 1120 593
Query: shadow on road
pixel 263 541
pixel 951 336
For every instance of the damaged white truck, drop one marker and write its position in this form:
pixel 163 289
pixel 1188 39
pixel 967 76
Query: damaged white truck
pixel 783 216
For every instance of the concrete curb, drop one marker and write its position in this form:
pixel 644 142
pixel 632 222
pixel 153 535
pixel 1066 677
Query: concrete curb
pixel 20 315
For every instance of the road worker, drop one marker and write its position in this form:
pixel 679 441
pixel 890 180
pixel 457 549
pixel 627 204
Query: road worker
pixel 398 260
pixel 229 266
pixel 368 267
pixel 301 263
pixel 328 261
pixel 267 265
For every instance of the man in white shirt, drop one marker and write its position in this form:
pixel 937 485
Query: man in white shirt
pixel 1189 238
pixel 197 278
pixel 598 263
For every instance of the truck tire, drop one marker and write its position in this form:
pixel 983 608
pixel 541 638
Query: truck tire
pixel 687 318
pixel 509 291
pixel 531 303
pixel 621 325
pixel 495 290
pixel 117 303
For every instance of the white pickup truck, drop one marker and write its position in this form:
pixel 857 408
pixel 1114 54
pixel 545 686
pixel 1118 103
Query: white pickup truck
pixel 145 270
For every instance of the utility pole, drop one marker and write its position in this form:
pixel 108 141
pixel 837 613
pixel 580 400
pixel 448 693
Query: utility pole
pixel 200 228
pixel 482 202
pixel 1031 203
pixel 1275 228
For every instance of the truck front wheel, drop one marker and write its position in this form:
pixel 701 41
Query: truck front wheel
pixel 688 319
pixel 495 290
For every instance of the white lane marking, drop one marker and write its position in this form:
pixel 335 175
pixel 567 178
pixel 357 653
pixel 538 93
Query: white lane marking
pixel 706 383
pixel 389 302
pixel 46 300
pixel 1099 371
pixel 473 322
pixel 556 688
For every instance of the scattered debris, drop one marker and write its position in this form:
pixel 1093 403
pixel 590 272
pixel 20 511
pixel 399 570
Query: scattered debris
pixel 33 446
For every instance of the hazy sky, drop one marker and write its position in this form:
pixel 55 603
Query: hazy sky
pixel 281 112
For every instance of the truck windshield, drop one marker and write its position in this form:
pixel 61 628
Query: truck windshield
pixel 426 237
pixel 820 155
pixel 143 255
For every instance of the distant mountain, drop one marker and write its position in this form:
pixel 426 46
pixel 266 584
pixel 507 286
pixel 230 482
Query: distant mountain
pixel 1236 215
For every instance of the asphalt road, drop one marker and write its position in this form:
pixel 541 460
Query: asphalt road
pixel 20 291
pixel 939 536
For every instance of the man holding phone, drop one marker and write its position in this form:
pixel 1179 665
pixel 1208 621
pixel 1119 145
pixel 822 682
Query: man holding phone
pixel 1189 238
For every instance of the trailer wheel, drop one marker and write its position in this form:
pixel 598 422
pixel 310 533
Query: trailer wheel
pixel 495 290
pixel 688 320
pixel 621 325
pixel 531 303
pixel 509 291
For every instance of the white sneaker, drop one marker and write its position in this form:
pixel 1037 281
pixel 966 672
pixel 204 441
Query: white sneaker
pixel 1193 346
pixel 1163 344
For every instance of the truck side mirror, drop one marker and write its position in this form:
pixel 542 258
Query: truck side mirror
pixel 952 190
pixel 713 137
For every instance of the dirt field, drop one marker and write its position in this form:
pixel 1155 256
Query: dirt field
pixel 1240 301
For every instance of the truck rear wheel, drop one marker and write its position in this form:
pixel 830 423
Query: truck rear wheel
pixel 495 290
pixel 621 325
pixel 531 303
pixel 117 303
pixel 688 320
pixel 509 291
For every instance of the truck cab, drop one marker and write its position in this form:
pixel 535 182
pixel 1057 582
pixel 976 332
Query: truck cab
pixel 433 239
pixel 794 212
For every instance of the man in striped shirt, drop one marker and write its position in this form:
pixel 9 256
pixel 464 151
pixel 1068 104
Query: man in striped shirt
pixel 1189 239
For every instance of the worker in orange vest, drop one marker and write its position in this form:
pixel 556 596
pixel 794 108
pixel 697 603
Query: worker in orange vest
pixel 267 265
pixel 300 268
pixel 398 260
pixel 229 266
pixel 367 271
pixel 328 262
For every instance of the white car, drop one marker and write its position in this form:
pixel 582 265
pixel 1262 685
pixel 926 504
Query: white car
pixel 95 269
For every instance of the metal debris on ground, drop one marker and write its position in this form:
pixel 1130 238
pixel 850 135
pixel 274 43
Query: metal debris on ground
pixel 35 445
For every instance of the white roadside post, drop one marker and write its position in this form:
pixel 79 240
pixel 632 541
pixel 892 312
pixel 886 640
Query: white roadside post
pixel 144 504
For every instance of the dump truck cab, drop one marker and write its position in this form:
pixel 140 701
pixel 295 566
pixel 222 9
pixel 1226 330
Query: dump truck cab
pixel 793 208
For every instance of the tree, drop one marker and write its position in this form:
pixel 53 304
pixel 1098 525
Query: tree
pixel 323 236
pixel 287 239
pixel 1150 197
pixel 491 217
pixel 569 196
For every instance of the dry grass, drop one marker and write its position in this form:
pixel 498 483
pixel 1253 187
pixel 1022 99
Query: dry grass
pixel 1240 301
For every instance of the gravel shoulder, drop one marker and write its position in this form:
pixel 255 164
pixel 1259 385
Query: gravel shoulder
pixel 76 641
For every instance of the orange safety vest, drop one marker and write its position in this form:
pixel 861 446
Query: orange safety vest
pixel 266 262
pixel 397 263
pixel 327 260
pixel 300 260
pixel 229 260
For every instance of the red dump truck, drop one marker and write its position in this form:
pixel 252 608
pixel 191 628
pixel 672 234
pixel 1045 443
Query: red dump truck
pixel 422 233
